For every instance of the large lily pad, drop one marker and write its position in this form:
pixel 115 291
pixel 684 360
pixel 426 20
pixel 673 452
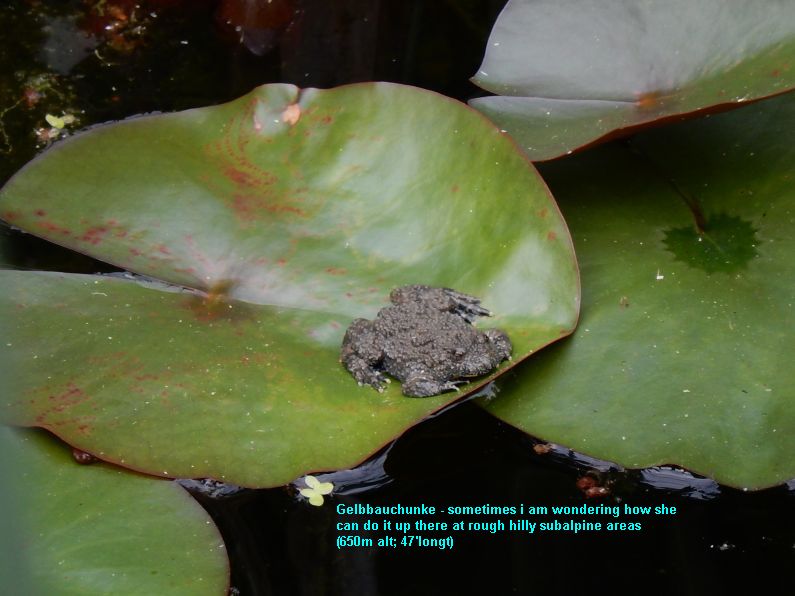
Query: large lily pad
pixel 289 213
pixel 683 353
pixel 571 72
pixel 99 530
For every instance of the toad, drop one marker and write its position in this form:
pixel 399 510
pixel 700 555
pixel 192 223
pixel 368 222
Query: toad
pixel 426 340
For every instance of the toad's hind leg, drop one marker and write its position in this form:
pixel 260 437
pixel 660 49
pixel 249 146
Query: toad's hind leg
pixel 361 354
pixel 424 386
pixel 444 299
pixel 465 306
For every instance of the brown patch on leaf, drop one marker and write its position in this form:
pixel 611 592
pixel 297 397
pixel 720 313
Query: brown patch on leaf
pixel 248 187
pixel 55 407
pixel 250 206
pixel 54 228
pixel 94 235
pixel 653 100
pixel 251 178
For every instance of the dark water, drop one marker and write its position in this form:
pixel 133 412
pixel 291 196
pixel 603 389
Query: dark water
pixel 720 538
pixel 173 55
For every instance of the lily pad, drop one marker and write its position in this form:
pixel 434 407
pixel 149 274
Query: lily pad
pixel 570 73
pixel 285 215
pixel 683 352
pixel 100 530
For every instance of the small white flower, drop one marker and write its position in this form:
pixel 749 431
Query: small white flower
pixel 315 490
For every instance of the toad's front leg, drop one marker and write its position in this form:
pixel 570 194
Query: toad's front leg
pixel 362 355
pixel 364 372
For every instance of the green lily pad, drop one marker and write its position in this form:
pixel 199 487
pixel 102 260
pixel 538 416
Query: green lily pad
pixel 99 530
pixel 570 73
pixel 683 352
pixel 287 213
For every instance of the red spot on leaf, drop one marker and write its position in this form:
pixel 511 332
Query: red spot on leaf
pixel 53 228
pixel 146 377
pixel 252 196
pixel 551 235
pixel 135 252
pixel 239 177
pixel 163 249
pixel 652 100
pixel 543 212
pixel 71 392
pixel 252 206
pixel 336 270
pixel 52 415
pixel 10 215
pixel 647 101
pixel 40 212
pixel 455 188
pixel 94 235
